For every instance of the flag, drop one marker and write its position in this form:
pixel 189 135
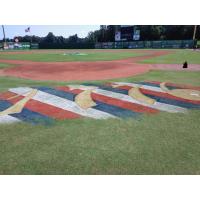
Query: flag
pixel 28 29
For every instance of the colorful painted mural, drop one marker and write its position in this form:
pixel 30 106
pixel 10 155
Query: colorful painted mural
pixel 112 100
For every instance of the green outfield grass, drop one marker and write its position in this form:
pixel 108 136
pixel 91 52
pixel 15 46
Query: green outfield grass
pixel 160 144
pixel 177 57
pixel 66 57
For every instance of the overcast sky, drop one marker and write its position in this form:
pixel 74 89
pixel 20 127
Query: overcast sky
pixel 40 30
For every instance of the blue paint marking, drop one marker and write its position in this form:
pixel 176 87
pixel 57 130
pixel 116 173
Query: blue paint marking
pixel 27 115
pixel 33 117
pixel 59 93
pixel 91 84
pixel 109 88
pixel 174 102
pixel 4 105
pixel 117 90
pixel 115 110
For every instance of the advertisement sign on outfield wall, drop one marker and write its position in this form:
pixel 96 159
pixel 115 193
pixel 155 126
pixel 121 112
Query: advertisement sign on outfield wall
pixel 136 35
pixel 158 44
pixel 117 36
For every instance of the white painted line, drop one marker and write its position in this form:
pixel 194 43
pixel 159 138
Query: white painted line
pixel 8 119
pixel 147 87
pixel 62 103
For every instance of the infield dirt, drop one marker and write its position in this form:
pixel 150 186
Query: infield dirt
pixel 82 71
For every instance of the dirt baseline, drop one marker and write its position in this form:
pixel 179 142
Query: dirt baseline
pixel 82 71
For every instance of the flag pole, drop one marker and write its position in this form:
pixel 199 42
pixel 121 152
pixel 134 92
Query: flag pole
pixel 30 36
pixel 28 30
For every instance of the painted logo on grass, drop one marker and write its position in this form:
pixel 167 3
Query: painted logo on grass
pixel 112 100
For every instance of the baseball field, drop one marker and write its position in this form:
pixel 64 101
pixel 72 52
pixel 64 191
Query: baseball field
pixel 100 111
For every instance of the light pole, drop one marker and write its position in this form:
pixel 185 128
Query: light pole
pixel 194 33
pixel 4 36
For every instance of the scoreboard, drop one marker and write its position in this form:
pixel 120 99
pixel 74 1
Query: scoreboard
pixel 127 33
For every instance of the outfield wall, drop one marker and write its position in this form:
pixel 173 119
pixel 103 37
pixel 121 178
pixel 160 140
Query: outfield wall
pixel 20 45
pixel 159 44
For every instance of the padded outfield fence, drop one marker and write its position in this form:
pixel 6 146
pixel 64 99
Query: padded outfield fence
pixel 159 44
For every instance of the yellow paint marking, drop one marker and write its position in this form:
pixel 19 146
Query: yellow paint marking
pixel 113 85
pixel 17 95
pixel 14 97
pixel 17 108
pixel 163 87
pixel 84 99
pixel 182 93
pixel 136 94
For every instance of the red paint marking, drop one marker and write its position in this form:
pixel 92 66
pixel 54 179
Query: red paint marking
pixel 112 101
pixel 67 89
pixel 6 95
pixel 41 108
pixel 126 105
pixel 160 94
pixel 177 85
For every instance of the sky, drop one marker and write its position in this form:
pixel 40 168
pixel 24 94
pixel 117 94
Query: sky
pixel 42 30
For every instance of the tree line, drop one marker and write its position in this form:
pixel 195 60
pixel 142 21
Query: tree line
pixel 107 34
